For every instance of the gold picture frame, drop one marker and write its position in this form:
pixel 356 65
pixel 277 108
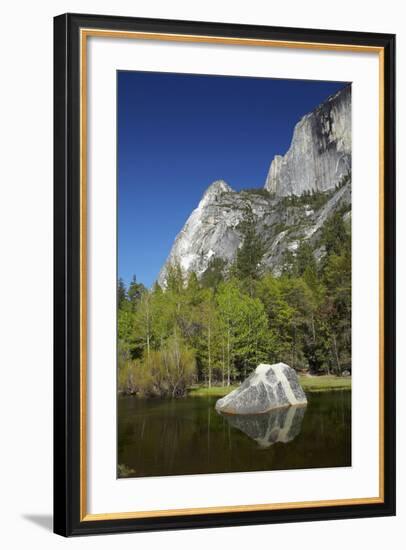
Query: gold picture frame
pixel 71 45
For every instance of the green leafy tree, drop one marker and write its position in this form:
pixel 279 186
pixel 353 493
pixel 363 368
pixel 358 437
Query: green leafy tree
pixel 336 276
pixel 163 316
pixel 244 329
pixel 144 318
pixel 209 346
pixel 280 314
pixel 126 332
pixel 299 297
pixel 175 279
pixel 179 366
pixel 217 329
pixel 252 334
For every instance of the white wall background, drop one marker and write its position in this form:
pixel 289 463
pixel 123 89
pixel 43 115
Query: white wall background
pixel 26 269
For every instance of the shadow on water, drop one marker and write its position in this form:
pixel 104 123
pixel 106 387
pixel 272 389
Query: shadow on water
pixel 187 436
pixel 278 426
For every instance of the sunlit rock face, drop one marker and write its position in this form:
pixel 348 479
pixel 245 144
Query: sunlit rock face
pixel 318 159
pixel 210 231
pixel 319 156
pixel 213 229
pixel 269 387
pixel 277 426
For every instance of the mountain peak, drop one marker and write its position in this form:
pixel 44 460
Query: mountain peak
pixel 319 156
pixel 215 189
pixel 318 160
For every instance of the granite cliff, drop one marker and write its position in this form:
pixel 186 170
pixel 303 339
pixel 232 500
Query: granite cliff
pixel 302 190
pixel 319 156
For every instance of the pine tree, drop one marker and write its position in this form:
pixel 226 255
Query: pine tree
pixel 144 323
pixel 121 293
pixel 305 260
pixel 214 273
pixel 135 291
pixel 175 278
pixel 247 267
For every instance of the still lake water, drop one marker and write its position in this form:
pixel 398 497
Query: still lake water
pixel 187 436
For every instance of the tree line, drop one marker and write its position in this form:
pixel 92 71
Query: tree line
pixel 216 330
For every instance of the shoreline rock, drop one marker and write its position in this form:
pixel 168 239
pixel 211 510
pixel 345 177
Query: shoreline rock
pixel 269 387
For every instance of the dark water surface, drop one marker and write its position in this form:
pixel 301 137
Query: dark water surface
pixel 187 436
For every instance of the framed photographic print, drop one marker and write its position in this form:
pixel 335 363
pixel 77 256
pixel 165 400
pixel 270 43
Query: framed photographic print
pixel 224 274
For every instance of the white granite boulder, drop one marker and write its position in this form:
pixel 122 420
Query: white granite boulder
pixel 268 387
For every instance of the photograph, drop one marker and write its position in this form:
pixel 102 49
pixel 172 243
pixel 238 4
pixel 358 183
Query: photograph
pixel 200 267
pixel 233 274
pixel 224 274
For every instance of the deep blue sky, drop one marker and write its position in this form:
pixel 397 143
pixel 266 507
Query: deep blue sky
pixel 178 133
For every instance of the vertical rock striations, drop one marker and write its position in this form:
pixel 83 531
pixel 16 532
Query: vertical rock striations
pixel 319 157
pixel 268 387
pixel 208 232
pixel 303 190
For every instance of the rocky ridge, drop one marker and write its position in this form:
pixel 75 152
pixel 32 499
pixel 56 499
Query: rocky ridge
pixel 319 156
pixel 303 189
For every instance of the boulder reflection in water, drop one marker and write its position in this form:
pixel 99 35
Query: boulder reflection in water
pixel 277 426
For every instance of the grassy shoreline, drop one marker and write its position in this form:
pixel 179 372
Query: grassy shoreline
pixel 308 383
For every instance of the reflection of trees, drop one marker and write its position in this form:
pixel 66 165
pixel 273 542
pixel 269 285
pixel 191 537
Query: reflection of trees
pixel 187 436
